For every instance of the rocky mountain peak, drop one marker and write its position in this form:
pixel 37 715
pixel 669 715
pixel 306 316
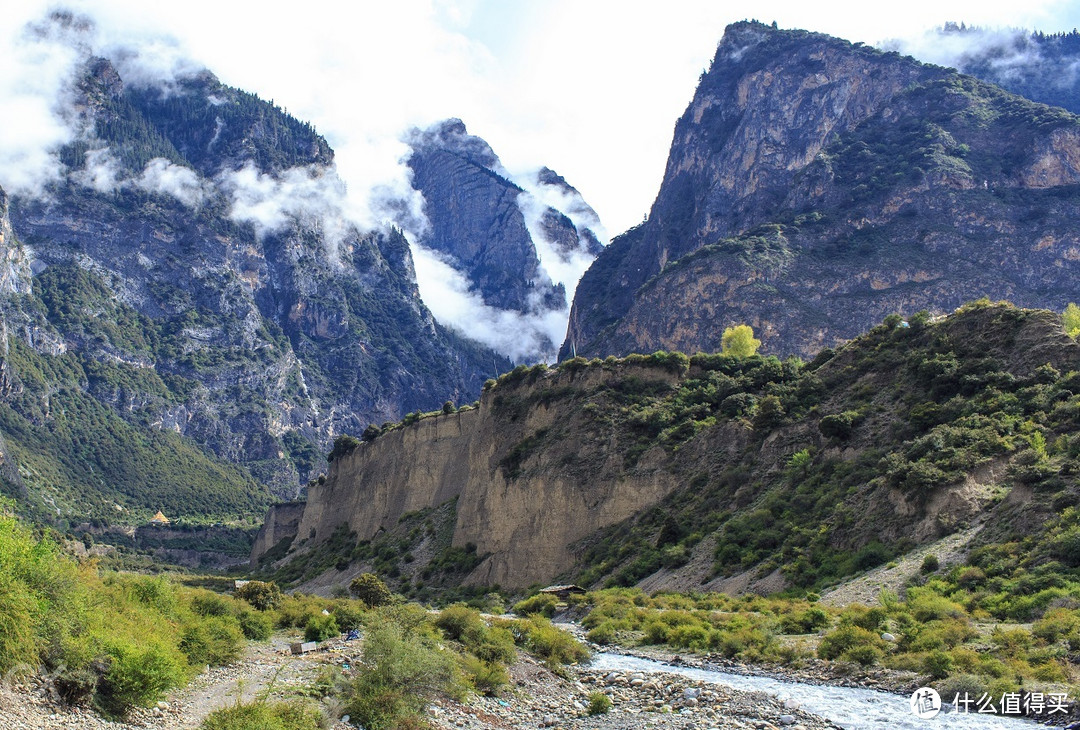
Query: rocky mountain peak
pixel 450 135
pixel 848 153
pixel 512 240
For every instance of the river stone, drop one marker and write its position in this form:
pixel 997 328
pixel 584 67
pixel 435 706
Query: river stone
pixel 792 705
pixel 787 719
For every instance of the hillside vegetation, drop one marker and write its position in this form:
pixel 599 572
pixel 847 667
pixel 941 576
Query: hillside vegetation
pixel 908 433
pixel 746 473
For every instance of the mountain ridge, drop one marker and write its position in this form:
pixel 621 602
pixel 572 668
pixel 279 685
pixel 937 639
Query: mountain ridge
pixel 869 165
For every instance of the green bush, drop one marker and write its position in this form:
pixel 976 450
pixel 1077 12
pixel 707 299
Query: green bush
pixel 938 664
pixel 599 704
pixel 553 645
pixel 321 628
pixel 602 634
pixel 207 603
pixel 214 641
pixel 486 677
pixel 139 676
pixel 348 615
pixel 458 620
pixel 865 654
pixel 256 626
pixel 261 595
pixel 368 588
pixel 930 563
pixel 403 671
pixel 293 715
pixel 845 638
pixel 542 604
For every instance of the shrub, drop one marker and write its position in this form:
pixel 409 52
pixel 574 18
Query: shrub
pixel 256 626
pixel 459 620
pixel 845 638
pixel 343 444
pixel 690 636
pixel 930 563
pixel 542 603
pixel 403 671
pixel 214 641
pixel 348 615
pixel 1058 623
pixel 599 704
pixel 293 715
pixel 261 595
pixel 485 677
pixel 138 677
pixel 206 603
pixel 321 628
pixel 554 646
pixel 837 426
pixel 368 588
pixel 937 664
pixel 865 654
pixel 961 685
pixel 602 634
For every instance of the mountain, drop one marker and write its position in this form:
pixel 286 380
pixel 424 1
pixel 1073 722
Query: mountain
pixel 1044 67
pixel 504 236
pixel 815 186
pixel 191 292
pixel 714 472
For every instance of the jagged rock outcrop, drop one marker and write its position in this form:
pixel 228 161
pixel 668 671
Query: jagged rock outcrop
pixel 497 232
pixel 814 186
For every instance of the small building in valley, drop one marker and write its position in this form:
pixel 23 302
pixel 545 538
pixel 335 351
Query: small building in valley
pixel 159 519
pixel 563 592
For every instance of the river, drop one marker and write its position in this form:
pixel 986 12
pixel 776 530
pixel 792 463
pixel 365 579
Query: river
pixel 849 707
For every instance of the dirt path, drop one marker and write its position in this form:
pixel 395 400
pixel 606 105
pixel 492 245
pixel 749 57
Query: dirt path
pixel 265 668
pixel 865 589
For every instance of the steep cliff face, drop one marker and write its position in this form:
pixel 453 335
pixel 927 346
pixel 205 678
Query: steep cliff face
pixel 716 472
pixel 896 187
pixel 506 237
pixel 196 261
pixel 531 475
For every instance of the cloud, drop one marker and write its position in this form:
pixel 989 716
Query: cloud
pixel 592 90
pixel 311 197
pixel 1010 54
pixel 446 292
pixel 37 74
pixel 563 266
pixel 163 177
pixel 101 171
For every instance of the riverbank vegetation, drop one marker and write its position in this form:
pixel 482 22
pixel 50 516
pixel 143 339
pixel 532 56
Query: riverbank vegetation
pixel 951 629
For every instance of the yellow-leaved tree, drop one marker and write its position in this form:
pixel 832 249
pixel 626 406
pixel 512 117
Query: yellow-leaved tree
pixel 1071 319
pixel 739 341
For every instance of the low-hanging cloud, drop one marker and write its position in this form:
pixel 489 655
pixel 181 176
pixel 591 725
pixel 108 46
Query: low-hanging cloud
pixel 311 197
pixel 103 173
pixel 1010 54
pixel 446 292
pixel 38 69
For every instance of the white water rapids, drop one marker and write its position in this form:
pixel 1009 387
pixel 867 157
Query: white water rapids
pixel 849 707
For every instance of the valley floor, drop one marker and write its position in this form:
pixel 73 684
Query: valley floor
pixel 538 698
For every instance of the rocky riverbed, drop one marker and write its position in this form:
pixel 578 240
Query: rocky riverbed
pixel 541 699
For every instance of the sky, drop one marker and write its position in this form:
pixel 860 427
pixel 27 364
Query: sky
pixel 590 88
